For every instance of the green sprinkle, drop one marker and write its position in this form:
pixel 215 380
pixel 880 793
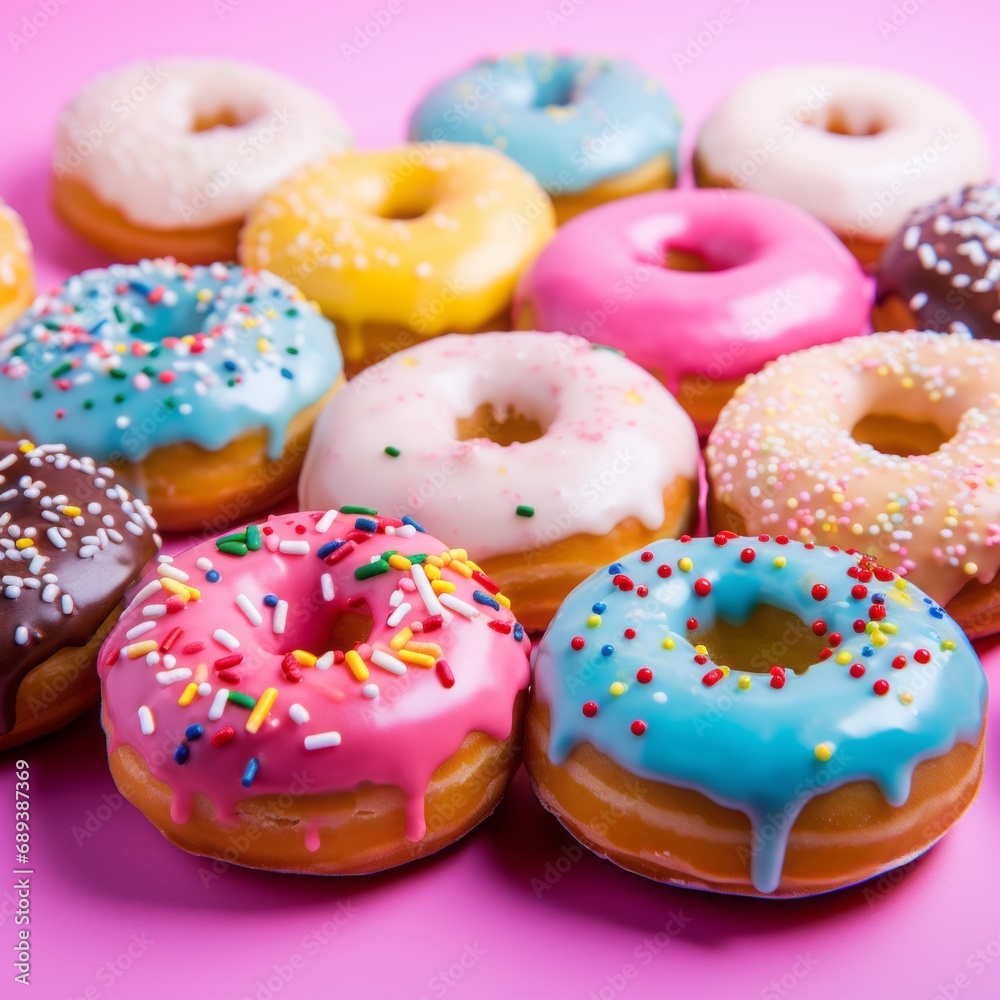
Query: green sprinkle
pixel 241 699
pixel 155 352
pixel 386 555
pixel 37 394
pixel 61 370
pixel 119 397
pixel 148 371
pixel 371 569
pixel 232 548
pixel 88 404
pixel 170 403
pixel 291 350
pixel 391 451
pixel 253 538
pixel 236 536
pixel 119 313
pixel 231 383
pixel 291 312
pixel 418 558
pixel 357 510
pixel 136 328
pixel 118 373
pixel 523 510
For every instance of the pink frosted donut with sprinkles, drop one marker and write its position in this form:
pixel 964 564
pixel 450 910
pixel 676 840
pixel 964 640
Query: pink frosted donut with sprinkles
pixel 341 688
pixel 887 444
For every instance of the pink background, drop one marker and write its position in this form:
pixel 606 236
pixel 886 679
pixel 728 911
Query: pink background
pixel 105 882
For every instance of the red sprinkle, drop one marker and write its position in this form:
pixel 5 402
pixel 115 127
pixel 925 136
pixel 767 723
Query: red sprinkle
pixel 175 603
pixel 641 590
pixel 590 709
pixel 113 657
pixel 646 556
pixel 700 658
pixel 445 676
pixel 781 539
pixel 230 661
pixel 577 642
pixel 193 647
pixel 504 628
pixel 622 582
pixel 685 538
pixel 664 570
pixel 231 676
pixel 721 538
pixel 638 727
pixel 883 575
pixel 702 587
pixel 644 675
pixel 778 681
pixel 857 670
pixel 820 591
pixel 223 736
pixel 748 555
pixel 629 633
pixel 877 612
pixel 835 639
pixel 826 653
pixel 859 592
pixel 692 624
pixel 431 623
pixel 491 585
pixel 712 677
pixel 819 627
pixel 763 538
pixel 169 639
pixel 881 686
pixel 899 662
pixel 922 656
pixel 340 552
pixel 291 668
pixel 860 625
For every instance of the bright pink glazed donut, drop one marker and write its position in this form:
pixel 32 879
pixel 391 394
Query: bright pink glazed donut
pixel 334 693
pixel 700 287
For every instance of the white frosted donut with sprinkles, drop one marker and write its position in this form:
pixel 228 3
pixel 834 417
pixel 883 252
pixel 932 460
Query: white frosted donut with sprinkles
pixel 888 444
pixel 341 685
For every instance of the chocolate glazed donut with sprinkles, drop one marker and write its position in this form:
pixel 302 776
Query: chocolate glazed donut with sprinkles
pixel 766 717
pixel 341 687
pixel 71 542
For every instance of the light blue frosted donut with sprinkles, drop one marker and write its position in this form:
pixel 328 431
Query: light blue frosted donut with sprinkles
pixel 842 739
pixel 589 128
pixel 119 362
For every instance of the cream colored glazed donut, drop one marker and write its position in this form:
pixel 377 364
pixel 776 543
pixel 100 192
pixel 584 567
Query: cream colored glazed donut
pixel 543 454
pixel 887 444
pixel 167 157
pixel 17 274
pixel 858 147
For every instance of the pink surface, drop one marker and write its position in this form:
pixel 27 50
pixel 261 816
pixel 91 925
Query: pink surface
pixel 116 911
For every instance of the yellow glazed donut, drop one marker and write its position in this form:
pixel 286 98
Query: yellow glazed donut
pixel 17 276
pixel 403 244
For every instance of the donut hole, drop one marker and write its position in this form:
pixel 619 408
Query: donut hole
pixel 205 121
pixel 406 203
pixel 709 257
pixel 768 637
pixel 903 437
pixel 838 122
pixel 318 632
pixel 558 91
pixel 504 426
pixel 687 260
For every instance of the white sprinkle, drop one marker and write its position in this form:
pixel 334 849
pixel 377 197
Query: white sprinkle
pixel 388 662
pixel 204 564
pixel 398 615
pixel 297 713
pixel 7 495
pixel 320 741
pixel 21 635
pixel 152 659
pixel 146 723
pixel 395 598
pixel 94 508
pixel 54 537
pixel 425 590
pixel 325 661
pixel 165 569
pixel 141 629
pixel 405 531
pixel 280 616
pixel 218 704
pixel 166 677
pixel 294 547
pixel 122 422
pixel 370 690
pixel 136 529
pixel 151 588
pixel 12 593
pixel 911 237
pixel 67 604
pixel 7 461
pixel 246 606
pixel 919 300
pixel 323 524
pixel 154 611
pixel 204 689
pixel 50 593
pixel 457 604
pixel 927 255
pixel 660 697
pixel 224 638
pixel 88 551
pixel 326 582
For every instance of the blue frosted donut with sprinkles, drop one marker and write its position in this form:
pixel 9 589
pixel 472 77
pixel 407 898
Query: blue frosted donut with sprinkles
pixel 199 385
pixel 761 716
pixel 589 128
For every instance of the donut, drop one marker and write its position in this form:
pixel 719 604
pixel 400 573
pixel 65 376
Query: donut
pixel 886 443
pixel 858 147
pixel 167 157
pixel 940 271
pixel 403 244
pixel 72 540
pixel 333 693
pixel 705 712
pixel 589 128
pixel 699 287
pixel 198 384
pixel 17 273
pixel 547 456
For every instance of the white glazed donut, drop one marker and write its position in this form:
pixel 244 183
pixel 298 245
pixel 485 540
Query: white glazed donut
pixel 543 454
pixel 184 145
pixel 857 147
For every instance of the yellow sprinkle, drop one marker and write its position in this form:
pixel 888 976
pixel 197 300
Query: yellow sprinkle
pixel 500 142
pixel 837 497
pixel 204 295
pixel 970 568
pixel 947 645
pixel 791 502
pixel 685 564
pixel 857 529
pixel 882 370
pixel 889 628
pixel 263 345
pixel 878 639
pixel 894 507
pixel 433 573
pixel 703 650
pixel 399 562
pixel 843 657
pixel 188 696
pixel 990 481
pixel 617 688
pixel 460 567
pixel 503 599
pixel 780 562
pixel 906 697
pixel 427 648
pixel 594 621
pixel 356 665
pixel 24 543
pixel 180 589
pixel 871 627
pixel 71 511
pixel 906 382
pixel 633 397
pixel 744 682
pixel 434 561
pixel 138 649
pixel 264 705
pixel 121 348
pixel 400 639
pixel 418 659
pixel 250 322
pixel 475 567
pixel 25 446
pixel 823 751
pixel 668 643
pixel 900 583
pixel 460 554
pixel 725 670
pixel 442 587
pixel 934 395
pixel 304 657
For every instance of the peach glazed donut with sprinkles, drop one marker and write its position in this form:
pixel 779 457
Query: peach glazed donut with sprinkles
pixel 763 716
pixel 339 691
pixel 71 541
pixel 200 385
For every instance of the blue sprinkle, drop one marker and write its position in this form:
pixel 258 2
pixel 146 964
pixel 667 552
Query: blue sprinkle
pixel 936 612
pixel 406 519
pixel 878 598
pixel 599 608
pixel 927 600
pixel 138 286
pixel 867 650
pixel 518 631
pixel 250 772
pixel 213 576
pixel 325 550
pixel 97 326
pixel 482 598
pixel 271 601
pixel 286 373
pixel 607 650
pixel 230 366
pixel 366 524
pixel 615 568
pixel 182 753
pixel 194 731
